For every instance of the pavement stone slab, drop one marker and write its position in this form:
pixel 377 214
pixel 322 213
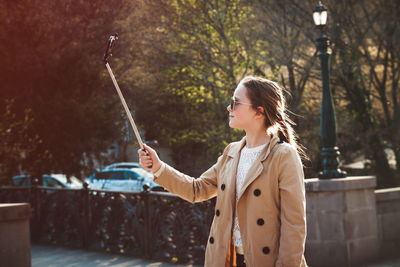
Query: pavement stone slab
pixel 52 256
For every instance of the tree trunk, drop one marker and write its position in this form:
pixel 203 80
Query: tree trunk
pixel 385 176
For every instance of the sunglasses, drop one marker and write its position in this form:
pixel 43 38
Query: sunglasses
pixel 234 103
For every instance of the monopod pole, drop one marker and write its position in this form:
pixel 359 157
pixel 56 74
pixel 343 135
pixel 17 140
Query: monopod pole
pixel 110 44
pixel 135 130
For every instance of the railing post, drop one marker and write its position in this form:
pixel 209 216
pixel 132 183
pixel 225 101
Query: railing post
pixel 85 215
pixel 146 221
pixel 35 202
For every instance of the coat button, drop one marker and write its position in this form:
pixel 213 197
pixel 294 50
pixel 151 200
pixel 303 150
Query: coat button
pixel 265 250
pixel 257 192
pixel 223 187
pixel 260 222
pixel 211 240
pixel 217 212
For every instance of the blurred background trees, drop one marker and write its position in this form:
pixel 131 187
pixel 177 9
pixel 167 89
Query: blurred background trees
pixel 366 60
pixel 178 63
pixel 56 111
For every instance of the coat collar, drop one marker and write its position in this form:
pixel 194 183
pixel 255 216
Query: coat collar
pixel 256 169
pixel 234 151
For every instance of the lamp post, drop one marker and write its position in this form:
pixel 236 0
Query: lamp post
pixel 330 152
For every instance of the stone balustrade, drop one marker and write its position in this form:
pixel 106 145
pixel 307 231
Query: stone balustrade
pixel 388 216
pixel 341 221
pixel 15 247
pixel 349 222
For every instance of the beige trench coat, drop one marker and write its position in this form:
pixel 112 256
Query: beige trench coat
pixel 270 208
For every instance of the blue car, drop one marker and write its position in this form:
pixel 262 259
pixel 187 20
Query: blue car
pixel 120 179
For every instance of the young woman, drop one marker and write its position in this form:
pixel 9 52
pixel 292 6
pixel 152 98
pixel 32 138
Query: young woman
pixel 260 218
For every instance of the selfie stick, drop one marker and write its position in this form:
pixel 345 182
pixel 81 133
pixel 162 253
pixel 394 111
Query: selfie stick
pixel 110 44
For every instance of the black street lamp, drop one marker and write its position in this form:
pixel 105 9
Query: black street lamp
pixel 330 152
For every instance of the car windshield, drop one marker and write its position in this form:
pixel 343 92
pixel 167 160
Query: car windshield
pixel 21 181
pixel 51 182
pixel 117 175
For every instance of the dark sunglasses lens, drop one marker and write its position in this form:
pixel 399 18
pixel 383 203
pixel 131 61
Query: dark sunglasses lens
pixel 232 104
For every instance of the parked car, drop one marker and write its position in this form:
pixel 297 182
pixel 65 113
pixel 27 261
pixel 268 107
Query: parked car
pixel 134 179
pixel 124 165
pixel 131 165
pixel 52 180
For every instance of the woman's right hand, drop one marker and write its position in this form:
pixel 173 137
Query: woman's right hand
pixel 149 159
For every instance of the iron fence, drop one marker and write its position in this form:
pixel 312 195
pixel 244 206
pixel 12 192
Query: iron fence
pixel 152 225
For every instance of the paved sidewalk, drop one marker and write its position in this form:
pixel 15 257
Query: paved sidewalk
pixel 51 256
pixel 385 263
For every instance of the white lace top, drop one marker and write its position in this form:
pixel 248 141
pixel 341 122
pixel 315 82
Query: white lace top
pixel 247 158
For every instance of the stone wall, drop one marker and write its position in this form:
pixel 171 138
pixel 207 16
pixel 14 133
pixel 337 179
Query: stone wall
pixel 15 247
pixel 388 214
pixel 342 225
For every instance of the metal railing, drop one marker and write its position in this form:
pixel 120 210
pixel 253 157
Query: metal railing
pixel 152 225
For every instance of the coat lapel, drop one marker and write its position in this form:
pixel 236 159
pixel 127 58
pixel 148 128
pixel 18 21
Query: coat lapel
pixel 234 153
pixel 256 169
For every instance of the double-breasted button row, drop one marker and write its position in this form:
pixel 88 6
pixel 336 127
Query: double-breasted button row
pixel 260 221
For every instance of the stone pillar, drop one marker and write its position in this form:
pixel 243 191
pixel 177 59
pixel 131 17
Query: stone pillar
pixel 15 247
pixel 388 209
pixel 341 221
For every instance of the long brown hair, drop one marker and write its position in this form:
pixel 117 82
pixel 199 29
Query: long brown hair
pixel 269 95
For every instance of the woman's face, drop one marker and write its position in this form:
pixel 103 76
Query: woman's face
pixel 241 116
